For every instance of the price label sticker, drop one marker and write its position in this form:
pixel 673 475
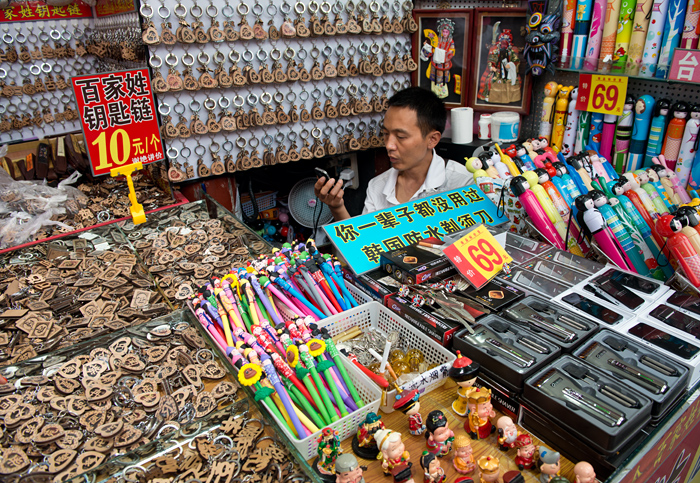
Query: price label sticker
pixel 601 93
pixel 478 256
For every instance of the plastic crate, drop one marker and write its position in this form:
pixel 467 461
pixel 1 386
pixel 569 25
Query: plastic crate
pixel 265 201
pixel 360 296
pixel 375 315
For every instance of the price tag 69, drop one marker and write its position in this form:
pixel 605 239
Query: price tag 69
pixel 478 256
pixel 601 93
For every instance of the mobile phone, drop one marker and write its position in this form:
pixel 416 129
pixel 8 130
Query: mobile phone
pixel 322 173
pixel 690 303
pixel 630 281
pixel 665 341
pixel 591 308
pixel 677 319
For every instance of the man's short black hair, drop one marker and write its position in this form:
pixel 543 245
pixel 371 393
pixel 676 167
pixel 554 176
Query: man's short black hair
pixel 428 107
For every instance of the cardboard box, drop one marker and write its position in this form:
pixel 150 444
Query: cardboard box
pixel 414 264
pixel 374 283
pixel 438 328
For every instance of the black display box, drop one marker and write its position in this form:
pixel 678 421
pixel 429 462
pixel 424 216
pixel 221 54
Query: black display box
pixel 413 265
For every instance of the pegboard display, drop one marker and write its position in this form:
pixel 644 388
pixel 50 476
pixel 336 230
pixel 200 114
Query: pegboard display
pixel 39 59
pixel 227 90
pixel 117 43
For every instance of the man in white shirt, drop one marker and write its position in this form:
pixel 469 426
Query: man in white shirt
pixel 413 126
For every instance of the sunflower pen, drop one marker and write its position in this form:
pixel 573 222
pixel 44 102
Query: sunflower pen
pixel 328 369
pixel 314 349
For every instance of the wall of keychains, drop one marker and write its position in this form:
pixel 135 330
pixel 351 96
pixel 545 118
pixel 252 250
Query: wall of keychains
pixel 244 85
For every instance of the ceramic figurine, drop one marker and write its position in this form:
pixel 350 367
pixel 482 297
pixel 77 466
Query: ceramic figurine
pixel 463 460
pixel 507 433
pixel 409 404
pixel 432 471
pixel 328 450
pixel 403 473
pixel 348 470
pixel 501 83
pixel 439 49
pixel 439 436
pixel 584 472
pixel 363 444
pixel 489 469
pixel 392 448
pixel 525 458
pixel 513 477
pixel 548 463
pixel 464 372
pixel 478 424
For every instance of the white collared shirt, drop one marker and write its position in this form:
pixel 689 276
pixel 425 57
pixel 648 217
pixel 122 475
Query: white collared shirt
pixel 381 191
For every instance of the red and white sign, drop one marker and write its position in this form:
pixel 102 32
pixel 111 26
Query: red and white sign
pixel 37 10
pixel 119 121
pixel 685 66
pixel 107 8
pixel 478 256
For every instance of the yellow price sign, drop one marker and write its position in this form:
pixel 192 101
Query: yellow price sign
pixel 478 256
pixel 601 93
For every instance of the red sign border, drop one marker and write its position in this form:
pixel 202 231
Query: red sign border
pixel 155 114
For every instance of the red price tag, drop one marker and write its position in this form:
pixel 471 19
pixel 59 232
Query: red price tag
pixel 601 93
pixel 478 256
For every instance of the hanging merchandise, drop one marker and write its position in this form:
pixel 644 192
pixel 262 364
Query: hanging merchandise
pixel 595 135
pixel 568 24
pixel 572 122
pixel 624 35
pixel 610 27
pixel 582 131
pixel 623 133
pixel 595 36
pixel 541 43
pixel 689 146
pixel 584 11
pixel 643 108
pixel 560 109
pixel 657 130
pixel 652 45
pixel 550 92
pixel 689 40
pixel 674 134
pixel 607 136
pixel 673 30
pixel 639 32
pixel 680 247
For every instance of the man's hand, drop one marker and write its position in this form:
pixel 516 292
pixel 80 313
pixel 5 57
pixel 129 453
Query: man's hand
pixel 330 192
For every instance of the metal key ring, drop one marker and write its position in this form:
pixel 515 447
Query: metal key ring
pixel 230 56
pixel 35 70
pixel 247 56
pixel 257 10
pixel 44 102
pixel 266 98
pixel 172 153
pixel 352 90
pixel 209 102
pixel 262 55
pixel 65 99
pixel 221 102
pixel 396 86
pixel 314 132
pixel 302 57
pixel 406 84
pixel 315 52
pixel 219 57
pixel 152 60
pixel 54 101
pixel 169 62
pixel 32 38
pixel 304 134
pixel 195 105
pixel 339 130
pixel 280 137
pixel 236 103
pixel 146 11
pixel 363 48
pixel 214 151
pixel 164 108
pixel 12 109
pixel 278 97
pixel 180 10
pixel 252 99
pixel 167 11
pixel 327 51
pixel 291 96
pixel 215 10
pixel 46 68
pixel 350 7
pixel 7 38
pixel 361 126
pixel 374 48
pixel 23 106
pixel 292 136
pixel 299 8
pixel 199 58
pixel 374 88
pixel 182 152
pixel 20 38
pixel 327 131
pixel 337 7
pixel 43 36
pixel 276 54
pixel 386 48
pixel 199 13
pixel 340 91
pixel 325 8
pixel 58 68
pixel 303 95
pixel 374 6
pixel 328 92
pixel 267 140
pixel 243 9
pixel 33 105
pixel 69 68
pixel 55 34
pixel 180 111
pixel 316 94
pixel 188 55
pixel 240 142
pixel 272 12
pixel 3 109
pixel 200 152
pixel 313 7
pixel 289 53
pixel 228 146
pixel 226 9
pixel 253 142
pixel 350 128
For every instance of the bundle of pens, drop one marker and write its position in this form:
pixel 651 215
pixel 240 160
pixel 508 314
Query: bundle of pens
pixel 263 318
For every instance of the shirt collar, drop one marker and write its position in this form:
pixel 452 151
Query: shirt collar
pixel 433 180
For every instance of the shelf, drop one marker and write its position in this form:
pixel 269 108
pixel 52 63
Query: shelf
pixel 632 77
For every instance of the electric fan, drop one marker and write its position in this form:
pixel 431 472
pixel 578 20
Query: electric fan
pixel 306 209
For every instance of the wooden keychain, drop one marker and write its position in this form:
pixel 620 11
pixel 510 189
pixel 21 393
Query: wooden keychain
pixel 328 145
pixel 329 69
pixel 201 36
pixel 281 156
pixel 213 126
pixel 268 116
pixel 328 27
pixel 299 24
pixel 317 113
pixel 215 33
pixel 234 71
pixel 293 153
pixel 230 32
pixel 205 81
pixel 166 34
pixel 293 114
pixel 317 148
pixel 229 160
pixel 217 167
pixel 159 84
pixel 328 108
pixel 150 34
pixel 375 24
pixel 245 32
pixel 304 75
pixel 268 157
pixel 189 81
pixel 292 72
pixel 227 121
pixel 175 173
pixel 264 73
pixel 222 76
pixel 197 127
pixel 278 74
pixel 305 151
pixel 183 33
pixel 281 116
pixel 182 130
pixel 287 29
pixel 202 170
pixel 317 73
pixel 259 32
pixel 173 80
pixel 315 25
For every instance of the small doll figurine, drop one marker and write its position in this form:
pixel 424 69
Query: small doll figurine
pixel 478 424
pixel 432 471
pixel 525 458
pixel 328 450
pixel 584 472
pixel 363 444
pixel 463 461
pixel 464 372
pixel 439 436
pixel 513 477
pixel 392 448
pixel 403 473
pixel 489 469
pixel 507 433
pixel 408 403
pixel 548 463
pixel 348 470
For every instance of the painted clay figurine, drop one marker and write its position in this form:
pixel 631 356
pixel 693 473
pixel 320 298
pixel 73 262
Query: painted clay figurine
pixel 392 448
pixel 432 471
pixel 440 50
pixel 584 472
pixel 363 444
pixel 489 469
pixel 507 433
pixel 464 371
pixel 501 82
pixel 409 404
pixel 348 470
pixel 548 463
pixel 463 460
pixel 525 458
pixel 439 436
pixel 403 473
pixel 478 424
pixel 513 476
pixel 328 451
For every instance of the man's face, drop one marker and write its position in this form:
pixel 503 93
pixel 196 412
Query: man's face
pixel 405 143
pixel 353 476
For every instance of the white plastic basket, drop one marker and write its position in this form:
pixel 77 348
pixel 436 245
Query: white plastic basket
pixel 375 315
pixel 358 294
pixel 347 426
pixel 265 201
